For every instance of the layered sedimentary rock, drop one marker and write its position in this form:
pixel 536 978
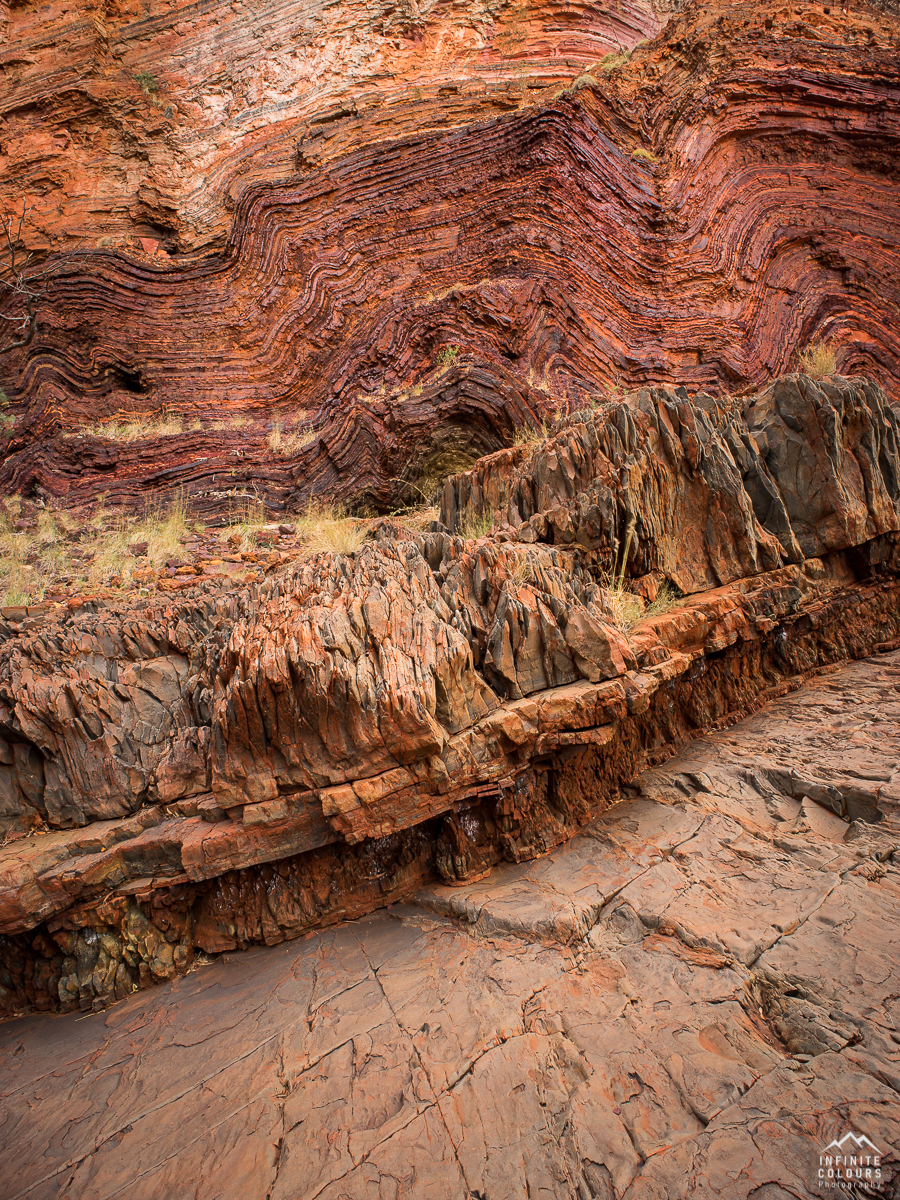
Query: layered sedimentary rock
pixel 409 274
pixel 226 769
pixel 692 998
pixel 152 126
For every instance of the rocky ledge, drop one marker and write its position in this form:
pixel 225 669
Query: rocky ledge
pixel 692 998
pixel 206 772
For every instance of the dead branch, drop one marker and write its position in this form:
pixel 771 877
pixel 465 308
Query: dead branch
pixel 18 281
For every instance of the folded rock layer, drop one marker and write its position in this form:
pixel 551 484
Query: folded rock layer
pixel 408 272
pixel 238 768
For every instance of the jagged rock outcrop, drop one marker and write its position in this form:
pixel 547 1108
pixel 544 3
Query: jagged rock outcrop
pixel 231 768
pixel 409 271
pixel 700 490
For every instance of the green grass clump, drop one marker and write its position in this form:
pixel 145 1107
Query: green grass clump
pixel 614 59
pixel 447 356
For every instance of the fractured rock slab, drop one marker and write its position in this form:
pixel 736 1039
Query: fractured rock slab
pixel 227 769
pixel 692 997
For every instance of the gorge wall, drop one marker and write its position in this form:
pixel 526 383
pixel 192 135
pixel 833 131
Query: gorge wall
pixel 409 230
pixel 449 538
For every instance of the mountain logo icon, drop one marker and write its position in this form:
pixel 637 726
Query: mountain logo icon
pixel 857 1141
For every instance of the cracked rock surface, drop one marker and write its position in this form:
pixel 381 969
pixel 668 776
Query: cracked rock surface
pixel 689 999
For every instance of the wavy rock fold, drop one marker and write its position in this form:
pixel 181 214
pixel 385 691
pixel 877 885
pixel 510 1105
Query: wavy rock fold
pixel 407 271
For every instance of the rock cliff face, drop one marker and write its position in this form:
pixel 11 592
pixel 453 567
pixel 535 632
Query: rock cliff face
pixel 408 230
pixel 229 769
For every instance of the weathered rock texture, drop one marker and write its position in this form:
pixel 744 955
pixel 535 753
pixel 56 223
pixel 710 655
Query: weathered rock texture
pixel 702 491
pixel 229 769
pixel 692 998
pixel 314 211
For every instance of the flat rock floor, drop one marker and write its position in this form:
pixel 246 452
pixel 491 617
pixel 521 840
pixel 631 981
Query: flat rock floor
pixel 693 998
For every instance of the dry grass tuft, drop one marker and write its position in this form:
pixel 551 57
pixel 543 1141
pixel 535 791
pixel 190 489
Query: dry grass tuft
pixel 330 527
pixel 530 435
pixel 418 517
pixel 475 525
pixel 285 441
pixel 161 528
pixel 818 360
pixel 298 439
pixel 666 598
pixel 624 607
pixel 521 569
pixel 628 610
pixel 138 427
pixel 33 559
pixel 228 423
pixel 246 515
pixel 27 560
pixel 7 420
